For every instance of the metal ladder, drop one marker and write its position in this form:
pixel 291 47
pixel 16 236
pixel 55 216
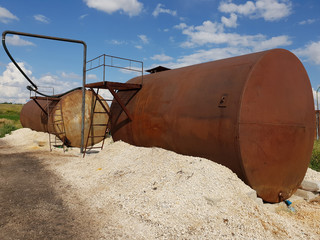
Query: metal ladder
pixel 57 124
pixel 91 132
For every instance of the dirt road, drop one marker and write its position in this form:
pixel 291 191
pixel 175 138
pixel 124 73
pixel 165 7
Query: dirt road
pixel 30 208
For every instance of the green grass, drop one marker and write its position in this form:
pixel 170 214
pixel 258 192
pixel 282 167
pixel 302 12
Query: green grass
pixel 315 157
pixel 6 128
pixel 9 118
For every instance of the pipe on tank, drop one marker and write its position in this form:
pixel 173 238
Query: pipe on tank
pixel 33 117
pixel 253 113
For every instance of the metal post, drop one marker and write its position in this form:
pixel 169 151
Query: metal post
pixel 35 86
pixel 83 95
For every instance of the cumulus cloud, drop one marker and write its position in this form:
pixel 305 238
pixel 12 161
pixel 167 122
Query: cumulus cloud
pixel 71 75
pixel 308 21
pixel 269 10
pixel 92 77
pixel 13 84
pixel 273 42
pixel 201 56
pixel 41 18
pixel 230 22
pixel 6 16
pixel 181 26
pixel 130 7
pixel 311 52
pixel 160 9
pixel 161 57
pixel 214 33
pixel 15 40
pixel 144 39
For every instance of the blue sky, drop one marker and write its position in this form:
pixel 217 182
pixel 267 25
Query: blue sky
pixel 169 33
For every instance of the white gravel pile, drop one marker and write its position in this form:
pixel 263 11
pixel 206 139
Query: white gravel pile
pixel 149 193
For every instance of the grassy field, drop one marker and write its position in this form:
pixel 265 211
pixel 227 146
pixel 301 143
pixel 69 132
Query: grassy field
pixel 315 158
pixel 9 118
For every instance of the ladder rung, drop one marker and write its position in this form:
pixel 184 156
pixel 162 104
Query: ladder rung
pixel 101 112
pixel 99 124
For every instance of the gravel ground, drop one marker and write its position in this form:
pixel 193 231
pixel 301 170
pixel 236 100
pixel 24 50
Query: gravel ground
pixel 128 192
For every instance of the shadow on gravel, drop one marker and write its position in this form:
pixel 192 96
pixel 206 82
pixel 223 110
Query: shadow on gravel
pixel 29 206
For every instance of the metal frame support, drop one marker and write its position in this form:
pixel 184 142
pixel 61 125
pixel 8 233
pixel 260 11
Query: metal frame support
pixel 35 86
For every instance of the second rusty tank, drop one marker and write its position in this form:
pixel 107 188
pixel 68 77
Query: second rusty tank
pixel 69 105
pixel 252 113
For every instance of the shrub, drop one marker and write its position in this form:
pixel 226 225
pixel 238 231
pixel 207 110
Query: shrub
pixel 315 157
pixel 6 128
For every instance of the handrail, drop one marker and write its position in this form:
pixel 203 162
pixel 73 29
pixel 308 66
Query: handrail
pixel 103 63
pixel 34 85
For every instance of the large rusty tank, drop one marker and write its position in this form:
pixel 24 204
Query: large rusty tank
pixel 252 113
pixel 70 105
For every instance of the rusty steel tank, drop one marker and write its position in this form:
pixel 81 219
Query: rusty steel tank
pixel 70 105
pixel 253 113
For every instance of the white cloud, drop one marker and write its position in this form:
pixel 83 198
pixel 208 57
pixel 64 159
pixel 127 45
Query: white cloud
pixel 138 46
pixel 161 57
pixel 15 40
pixel 314 92
pixel 244 9
pixel 144 39
pixel 92 77
pixel 230 22
pixel 83 16
pixel 41 18
pixel 61 83
pixel 6 16
pixel 130 7
pixel 213 33
pixel 180 26
pixel 160 9
pixel 269 10
pixel 13 84
pixel 12 77
pixel 117 42
pixel 71 75
pixel 311 52
pixel 308 21
pixel 273 42
pixel 201 56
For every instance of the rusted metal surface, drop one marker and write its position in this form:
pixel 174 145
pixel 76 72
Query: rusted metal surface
pixel 253 114
pixel 33 117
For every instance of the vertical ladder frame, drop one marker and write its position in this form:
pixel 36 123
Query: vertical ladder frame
pixel 91 130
